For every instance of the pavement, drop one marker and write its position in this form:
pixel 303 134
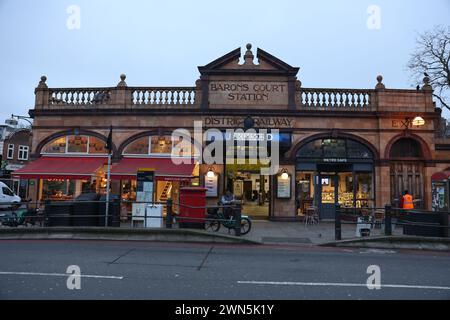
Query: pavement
pixel 298 233
pixel 262 232
pixel 34 269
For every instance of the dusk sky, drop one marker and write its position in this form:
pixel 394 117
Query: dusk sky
pixel 161 43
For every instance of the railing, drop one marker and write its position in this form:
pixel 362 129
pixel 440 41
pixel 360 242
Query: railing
pixel 335 99
pixel 80 96
pixel 75 213
pixel 413 222
pixel 163 96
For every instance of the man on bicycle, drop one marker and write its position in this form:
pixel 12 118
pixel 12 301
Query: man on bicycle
pixel 227 200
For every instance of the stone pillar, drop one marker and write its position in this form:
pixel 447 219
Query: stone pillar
pixel 42 94
pixel 283 209
pixel 122 96
pixel 383 185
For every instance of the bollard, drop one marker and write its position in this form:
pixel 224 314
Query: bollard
pixel 169 214
pixel 337 223
pixel 388 220
pixel 237 216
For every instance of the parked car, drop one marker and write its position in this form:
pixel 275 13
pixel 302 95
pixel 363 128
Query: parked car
pixel 7 197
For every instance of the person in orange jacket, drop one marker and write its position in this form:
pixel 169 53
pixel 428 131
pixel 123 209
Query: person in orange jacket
pixel 407 201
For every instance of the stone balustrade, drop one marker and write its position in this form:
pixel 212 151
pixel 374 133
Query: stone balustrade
pixel 154 98
pixel 79 96
pixel 335 99
pixel 163 96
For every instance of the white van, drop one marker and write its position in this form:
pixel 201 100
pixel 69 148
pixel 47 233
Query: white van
pixel 8 197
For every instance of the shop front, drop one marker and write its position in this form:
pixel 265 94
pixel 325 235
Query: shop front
pixel 334 171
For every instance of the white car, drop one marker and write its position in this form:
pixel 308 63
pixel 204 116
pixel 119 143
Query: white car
pixel 7 198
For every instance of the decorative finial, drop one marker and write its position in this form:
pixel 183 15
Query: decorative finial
pixel 426 82
pixel 42 83
pixel 122 82
pixel 380 85
pixel 249 57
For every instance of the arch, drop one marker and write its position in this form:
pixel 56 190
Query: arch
pixel 333 135
pixel 425 150
pixel 59 134
pixel 144 134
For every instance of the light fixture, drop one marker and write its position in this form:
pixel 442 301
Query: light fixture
pixel 210 173
pixel 418 121
pixel 284 174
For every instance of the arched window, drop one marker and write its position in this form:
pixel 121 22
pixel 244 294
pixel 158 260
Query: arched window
pixel 75 145
pixel 334 148
pixel 406 148
pixel 159 146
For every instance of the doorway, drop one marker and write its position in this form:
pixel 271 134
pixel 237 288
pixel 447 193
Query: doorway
pixel 251 188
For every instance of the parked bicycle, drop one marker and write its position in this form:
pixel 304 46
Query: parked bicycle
pixel 217 218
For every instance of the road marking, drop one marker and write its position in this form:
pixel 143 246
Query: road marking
pixel 58 275
pixel 331 284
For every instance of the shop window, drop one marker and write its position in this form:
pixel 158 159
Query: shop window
pixel 10 154
pixel 77 144
pixel 364 190
pixel 74 145
pixel 97 146
pixel 159 145
pixel 58 189
pixel 138 147
pixel 56 146
pixel 304 191
pixel 23 153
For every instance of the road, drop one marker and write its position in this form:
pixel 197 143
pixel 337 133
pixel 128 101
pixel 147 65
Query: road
pixel 139 270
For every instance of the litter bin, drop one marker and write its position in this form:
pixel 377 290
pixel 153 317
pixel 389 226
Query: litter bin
pixel 86 210
pixel 113 211
pixel 192 205
pixel 59 213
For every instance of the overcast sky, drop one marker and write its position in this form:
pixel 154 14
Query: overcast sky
pixel 338 44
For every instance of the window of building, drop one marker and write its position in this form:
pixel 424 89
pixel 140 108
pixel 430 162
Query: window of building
pixel 10 154
pixel 75 145
pixel 334 149
pixel 406 148
pixel 23 152
pixel 159 145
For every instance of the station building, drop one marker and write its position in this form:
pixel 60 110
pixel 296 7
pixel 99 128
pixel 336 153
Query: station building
pixel 355 147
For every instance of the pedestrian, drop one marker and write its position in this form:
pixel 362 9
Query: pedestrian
pixel 407 202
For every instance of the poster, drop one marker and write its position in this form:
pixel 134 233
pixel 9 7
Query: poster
pixel 283 188
pixel 238 188
pixel 211 185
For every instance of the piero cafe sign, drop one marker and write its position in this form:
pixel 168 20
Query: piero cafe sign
pixel 248 93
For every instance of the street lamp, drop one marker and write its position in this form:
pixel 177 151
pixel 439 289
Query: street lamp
pixel 22 118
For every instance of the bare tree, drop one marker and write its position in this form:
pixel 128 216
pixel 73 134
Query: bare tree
pixel 431 58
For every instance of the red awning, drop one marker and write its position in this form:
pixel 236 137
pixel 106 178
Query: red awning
pixel 439 176
pixel 165 169
pixel 61 168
